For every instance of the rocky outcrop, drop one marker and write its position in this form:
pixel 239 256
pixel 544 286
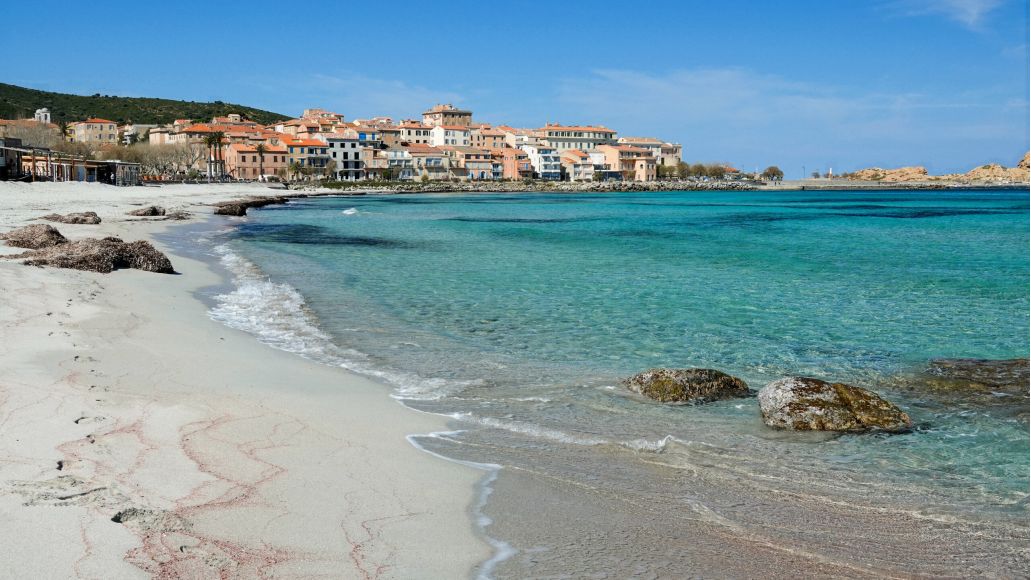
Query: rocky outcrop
pixel 34 237
pixel 99 255
pixel 239 207
pixel 86 217
pixel 987 174
pixel 805 404
pixel 177 215
pixel 149 211
pixel 900 175
pixel 686 385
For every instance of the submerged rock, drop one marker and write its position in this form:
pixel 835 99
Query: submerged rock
pixel 103 255
pixel 34 237
pixel 149 211
pixel 805 404
pixel 998 386
pixel 686 385
pixel 86 217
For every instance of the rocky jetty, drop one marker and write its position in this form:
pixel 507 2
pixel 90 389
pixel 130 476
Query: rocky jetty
pixel 239 207
pixel 149 211
pixel 805 404
pixel 686 385
pixel 34 237
pixel 86 217
pixel 99 255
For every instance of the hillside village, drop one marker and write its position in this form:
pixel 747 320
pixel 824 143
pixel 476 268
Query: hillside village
pixel 445 144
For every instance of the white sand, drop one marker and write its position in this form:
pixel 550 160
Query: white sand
pixel 234 459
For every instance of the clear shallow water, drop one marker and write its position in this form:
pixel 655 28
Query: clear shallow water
pixel 517 315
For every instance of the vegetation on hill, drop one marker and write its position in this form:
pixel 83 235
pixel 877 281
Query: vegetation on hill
pixel 19 102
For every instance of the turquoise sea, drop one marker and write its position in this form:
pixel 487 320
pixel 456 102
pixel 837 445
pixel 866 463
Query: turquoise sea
pixel 516 315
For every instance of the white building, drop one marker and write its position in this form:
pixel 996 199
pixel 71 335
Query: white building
pixel 581 137
pixel 545 161
pixel 399 161
pixel 346 152
pixel 42 115
pixel 454 135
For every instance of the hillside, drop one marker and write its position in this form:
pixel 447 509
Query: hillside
pixel 19 102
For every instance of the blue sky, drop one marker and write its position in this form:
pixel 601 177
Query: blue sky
pixel 847 84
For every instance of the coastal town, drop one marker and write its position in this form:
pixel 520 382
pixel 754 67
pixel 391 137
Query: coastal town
pixel 447 143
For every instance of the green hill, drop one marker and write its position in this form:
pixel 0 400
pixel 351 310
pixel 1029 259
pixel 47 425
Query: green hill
pixel 19 102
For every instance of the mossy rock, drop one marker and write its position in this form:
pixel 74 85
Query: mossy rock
pixel 806 404
pixel 687 385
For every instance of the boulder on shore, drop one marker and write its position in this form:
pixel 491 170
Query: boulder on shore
pixel 805 404
pixel 85 217
pixel 149 211
pixel 99 255
pixel 687 385
pixel 177 214
pixel 239 207
pixel 34 237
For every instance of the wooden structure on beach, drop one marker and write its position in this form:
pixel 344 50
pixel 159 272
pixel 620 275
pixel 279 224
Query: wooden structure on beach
pixel 38 164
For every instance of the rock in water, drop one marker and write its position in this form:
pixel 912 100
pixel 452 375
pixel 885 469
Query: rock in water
pixel 804 404
pixel 86 217
pixel 149 211
pixel 104 255
pixel 687 385
pixel 34 237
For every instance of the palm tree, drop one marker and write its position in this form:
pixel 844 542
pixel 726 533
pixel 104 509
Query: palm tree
pixel 218 137
pixel 260 149
pixel 212 144
pixel 294 168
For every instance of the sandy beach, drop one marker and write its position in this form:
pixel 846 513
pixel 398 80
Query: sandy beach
pixel 138 437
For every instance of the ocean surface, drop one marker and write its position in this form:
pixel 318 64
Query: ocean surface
pixel 516 315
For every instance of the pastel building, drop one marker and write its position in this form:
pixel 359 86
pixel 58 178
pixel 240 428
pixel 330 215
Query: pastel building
pixel 515 163
pixel 577 165
pixel 245 162
pixel 486 137
pixel 412 132
pixel 582 137
pixel 96 131
pixel 447 114
pixel 634 163
pixel 429 161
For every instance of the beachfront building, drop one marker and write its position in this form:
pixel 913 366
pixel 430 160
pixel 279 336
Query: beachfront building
pixel 308 153
pixel 93 130
pixel 346 153
pixel 515 137
pixel 515 163
pixel 449 135
pixel 633 163
pixel 486 137
pixel 582 137
pixel 399 163
pixel 469 163
pixel 545 161
pixel 670 154
pixel 429 162
pixel 447 114
pixel 245 162
pixel 413 133
pixel 577 165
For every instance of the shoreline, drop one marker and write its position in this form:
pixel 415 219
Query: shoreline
pixel 164 443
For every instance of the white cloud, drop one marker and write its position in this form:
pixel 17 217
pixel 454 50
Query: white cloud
pixel 969 13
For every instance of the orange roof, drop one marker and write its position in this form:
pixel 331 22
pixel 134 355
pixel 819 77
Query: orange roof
pixel 598 129
pixel 454 127
pixel 96 120
pixel 306 143
pixel 419 148
pixel 575 153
